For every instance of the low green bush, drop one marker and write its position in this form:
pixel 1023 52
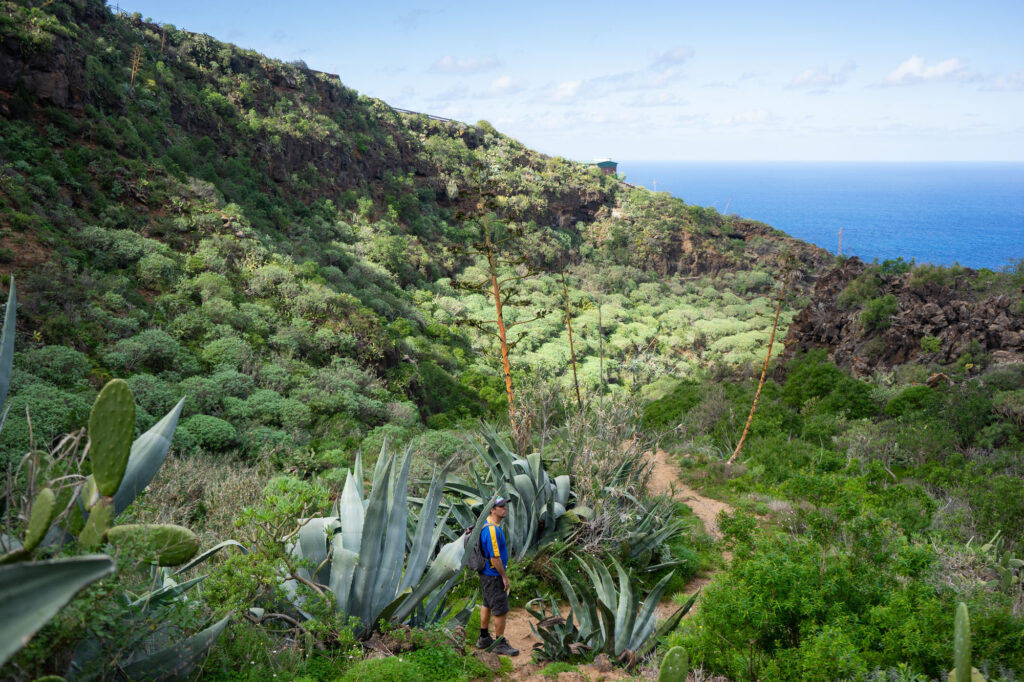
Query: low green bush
pixel 59 365
pixel 211 433
pixel 877 313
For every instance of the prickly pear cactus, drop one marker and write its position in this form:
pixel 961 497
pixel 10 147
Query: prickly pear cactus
pixel 111 428
pixel 164 545
pixel 100 518
pixel 962 643
pixel 674 665
pixel 43 508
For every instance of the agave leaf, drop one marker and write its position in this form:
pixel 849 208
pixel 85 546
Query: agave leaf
pixel 382 459
pixel 644 623
pixel 147 456
pixel 7 345
pixel 463 616
pixel 655 538
pixel 313 539
pixel 343 569
pixel 358 474
pixel 352 513
pixel 416 564
pixel 371 548
pixel 393 552
pixel 3 417
pixel 448 563
pixel 32 593
pixel 533 460
pixel 176 662
pixel 167 593
pixel 625 614
pixel 670 623
pixel 607 619
pixel 562 490
pixel 587 617
pixel 203 556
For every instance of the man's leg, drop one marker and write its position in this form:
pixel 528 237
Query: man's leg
pixel 499 625
pixel 484 640
pixel 485 620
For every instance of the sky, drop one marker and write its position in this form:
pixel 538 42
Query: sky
pixel 673 81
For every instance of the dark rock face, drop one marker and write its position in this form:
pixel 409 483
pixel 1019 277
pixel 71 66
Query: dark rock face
pixel 955 315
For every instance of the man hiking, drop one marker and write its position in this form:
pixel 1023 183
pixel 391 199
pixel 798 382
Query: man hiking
pixel 494 582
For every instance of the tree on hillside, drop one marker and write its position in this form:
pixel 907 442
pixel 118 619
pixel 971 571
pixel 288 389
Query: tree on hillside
pixel 501 284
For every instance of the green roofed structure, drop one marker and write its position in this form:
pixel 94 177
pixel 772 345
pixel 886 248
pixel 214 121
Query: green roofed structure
pixel 607 166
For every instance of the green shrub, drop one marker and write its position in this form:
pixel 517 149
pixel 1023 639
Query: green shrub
pixel 877 313
pixel 390 669
pixel 667 411
pixel 860 290
pixel 53 412
pixel 60 365
pixel 211 433
pixel 153 394
pixel 913 399
pixel 264 440
pixel 931 344
pixel 202 395
pixel 227 352
pixel 152 349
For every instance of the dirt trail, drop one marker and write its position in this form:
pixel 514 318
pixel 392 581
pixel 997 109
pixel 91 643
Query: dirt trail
pixel 664 480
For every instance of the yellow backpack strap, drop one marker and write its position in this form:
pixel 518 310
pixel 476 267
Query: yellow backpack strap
pixel 494 541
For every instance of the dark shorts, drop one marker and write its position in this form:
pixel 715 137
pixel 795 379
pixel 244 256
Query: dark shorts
pixel 494 595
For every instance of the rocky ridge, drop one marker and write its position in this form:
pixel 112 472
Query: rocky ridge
pixel 963 321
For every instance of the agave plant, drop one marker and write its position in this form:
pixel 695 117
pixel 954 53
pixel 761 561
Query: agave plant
pixel 539 505
pixel 561 639
pixel 617 622
pixel 374 562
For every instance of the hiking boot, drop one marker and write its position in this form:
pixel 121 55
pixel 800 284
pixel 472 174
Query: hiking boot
pixel 502 648
pixel 484 640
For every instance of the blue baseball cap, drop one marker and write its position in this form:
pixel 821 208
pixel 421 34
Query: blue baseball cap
pixel 500 502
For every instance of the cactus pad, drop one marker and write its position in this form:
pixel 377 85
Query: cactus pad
pixel 100 517
pixel 674 665
pixel 43 508
pixel 111 428
pixel 164 545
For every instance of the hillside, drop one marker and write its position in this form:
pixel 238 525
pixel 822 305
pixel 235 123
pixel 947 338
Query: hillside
pixel 313 273
pixel 288 253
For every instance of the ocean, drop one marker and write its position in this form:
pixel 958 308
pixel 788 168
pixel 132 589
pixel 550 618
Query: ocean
pixel 943 213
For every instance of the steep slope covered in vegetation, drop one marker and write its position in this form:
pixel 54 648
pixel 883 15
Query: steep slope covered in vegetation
pixel 203 220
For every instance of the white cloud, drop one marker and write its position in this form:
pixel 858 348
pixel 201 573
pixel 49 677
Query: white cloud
pixel 505 85
pixel 914 71
pixel 744 118
pixel 672 57
pixel 565 92
pixel 1015 81
pixel 820 81
pixel 657 99
pixel 450 64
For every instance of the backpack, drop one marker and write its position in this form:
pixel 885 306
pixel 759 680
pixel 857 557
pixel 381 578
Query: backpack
pixel 477 561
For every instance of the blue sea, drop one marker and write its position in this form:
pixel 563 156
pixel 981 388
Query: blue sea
pixel 944 213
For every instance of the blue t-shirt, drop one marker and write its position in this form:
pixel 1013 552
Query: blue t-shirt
pixel 492 540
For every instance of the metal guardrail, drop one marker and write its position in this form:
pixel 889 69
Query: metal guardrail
pixel 420 113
